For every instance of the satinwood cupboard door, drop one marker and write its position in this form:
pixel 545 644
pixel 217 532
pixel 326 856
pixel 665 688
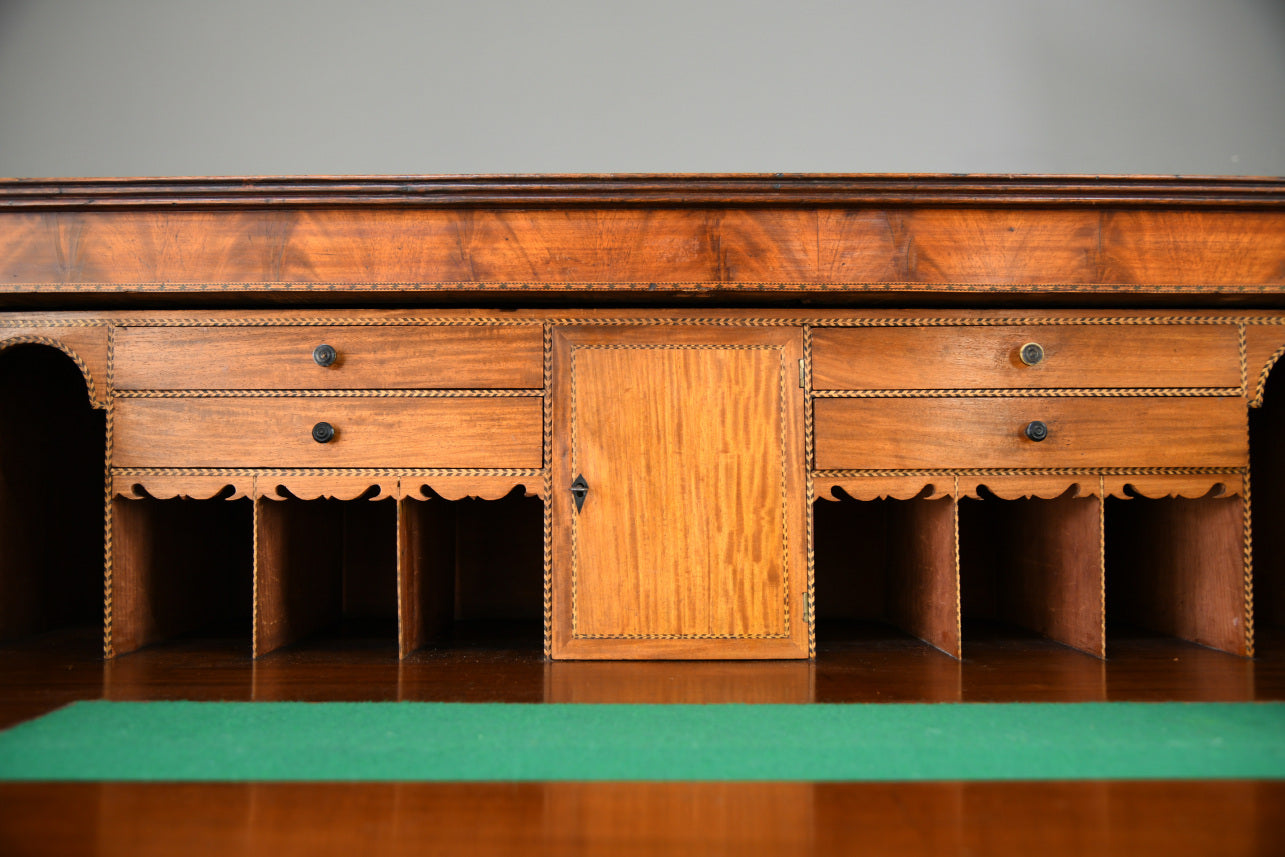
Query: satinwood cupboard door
pixel 678 493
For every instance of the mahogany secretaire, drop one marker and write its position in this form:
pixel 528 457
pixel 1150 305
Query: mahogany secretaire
pixel 670 416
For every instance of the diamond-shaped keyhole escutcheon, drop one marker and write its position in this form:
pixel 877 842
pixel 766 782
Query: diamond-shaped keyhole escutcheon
pixel 579 490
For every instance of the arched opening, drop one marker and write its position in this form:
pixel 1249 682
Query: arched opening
pixel 51 496
pixel 1267 480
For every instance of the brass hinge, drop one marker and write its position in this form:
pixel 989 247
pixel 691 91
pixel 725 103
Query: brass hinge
pixel 807 608
pixel 803 377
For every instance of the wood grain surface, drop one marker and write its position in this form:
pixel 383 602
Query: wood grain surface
pixel 277 432
pixel 425 572
pixel 86 345
pixel 386 358
pixel 944 358
pixel 1113 819
pixel 1040 562
pixel 298 570
pixel 923 587
pixel 178 567
pixel 294 251
pixel 964 433
pixel 871 665
pixel 687 544
pixel 1177 566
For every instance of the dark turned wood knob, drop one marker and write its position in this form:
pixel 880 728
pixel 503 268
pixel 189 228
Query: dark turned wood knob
pixel 1032 353
pixel 324 355
pixel 323 432
pixel 1037 430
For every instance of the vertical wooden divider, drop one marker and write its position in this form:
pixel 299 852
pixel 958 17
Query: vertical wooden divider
pixel 425 571
pixel 922 593
pixel 134 623
pixel 1050 575
pixel 1177 567
pixel 298 569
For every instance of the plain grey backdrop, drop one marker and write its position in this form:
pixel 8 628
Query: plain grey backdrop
pixel 270 87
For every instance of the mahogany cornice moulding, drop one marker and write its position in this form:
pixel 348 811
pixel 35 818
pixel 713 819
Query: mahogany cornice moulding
pixel 630 190
pixel 837 238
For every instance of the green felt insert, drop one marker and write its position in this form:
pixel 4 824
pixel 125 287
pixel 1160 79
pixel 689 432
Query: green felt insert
pixel 214 741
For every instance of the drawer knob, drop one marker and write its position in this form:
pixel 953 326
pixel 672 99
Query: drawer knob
pixel 323 432
pixel 324 355
pixel 1037 430
pixel 1032 353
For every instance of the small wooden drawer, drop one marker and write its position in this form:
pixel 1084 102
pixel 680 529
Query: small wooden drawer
pixel 282 358
pixel 961 357
pixel 971 433
pixel 368 432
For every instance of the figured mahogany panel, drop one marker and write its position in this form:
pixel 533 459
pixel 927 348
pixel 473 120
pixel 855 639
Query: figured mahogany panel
pixel 689 540
pixel 1191 247
pixel 996 247
pixel 590 247
pixel 370 432
pixel 963 433
pixel 1074 356
pixel 266 358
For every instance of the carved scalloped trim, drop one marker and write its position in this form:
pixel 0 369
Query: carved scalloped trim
pixel 1027 487
pixel 1014 486
pixel 1160 487
pixel 232 484
pixel 187 487
pixel 326 487
pixel 475 487
pixel 883 489
pixel 31 339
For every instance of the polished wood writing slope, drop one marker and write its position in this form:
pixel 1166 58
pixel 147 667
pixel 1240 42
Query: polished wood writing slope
pixel 708 412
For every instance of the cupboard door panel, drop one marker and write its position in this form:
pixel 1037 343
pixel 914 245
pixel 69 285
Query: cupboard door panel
pixel 688 543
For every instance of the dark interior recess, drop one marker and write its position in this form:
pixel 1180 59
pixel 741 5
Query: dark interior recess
pixel 51 494
pixel 1033 563
pixel 181 568
pixel 472 569
pixel 886 561
pixel 499 558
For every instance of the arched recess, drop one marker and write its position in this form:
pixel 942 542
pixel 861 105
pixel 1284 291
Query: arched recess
pixel 51 490
pixel 1267 481
pixel 86 347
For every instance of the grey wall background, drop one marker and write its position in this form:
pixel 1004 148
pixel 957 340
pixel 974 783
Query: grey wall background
pixel 265 87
